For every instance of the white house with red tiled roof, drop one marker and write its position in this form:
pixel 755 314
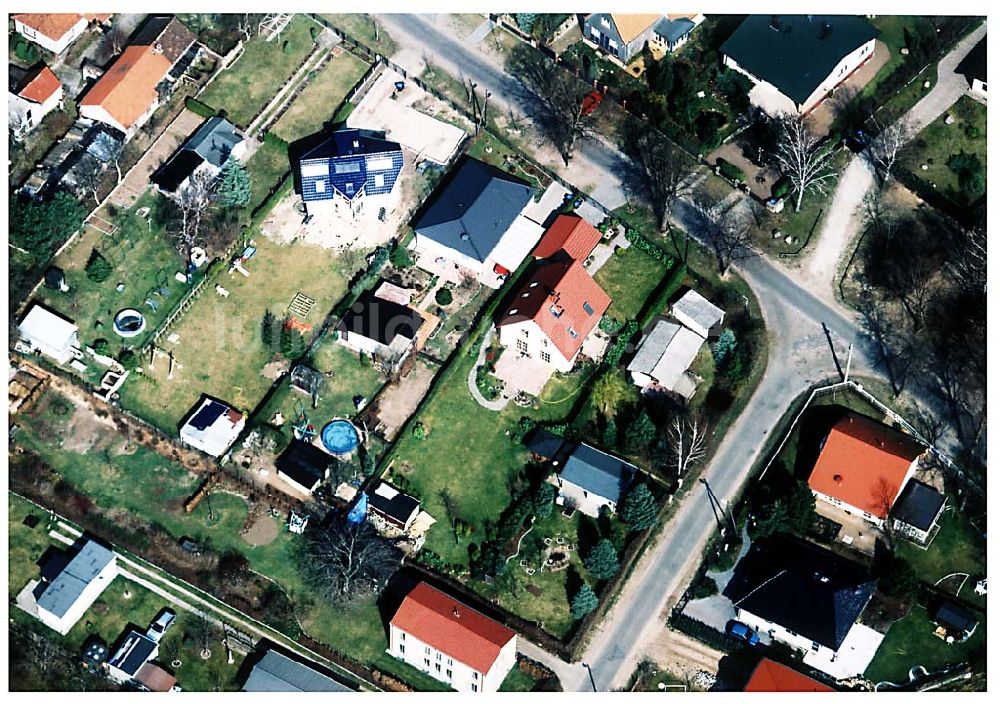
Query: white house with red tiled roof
pixel 451 642
pixel 55 31
pixel 559 304
pixel 32 95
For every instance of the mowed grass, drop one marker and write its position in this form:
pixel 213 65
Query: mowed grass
pixel 319 101
pixel 266 167
pixel 938 141
pixel 911 642
pixel 220 347
pixel 245 88
pixel 24 545
pixel 629 277
pixel 958 547
pixel 364 29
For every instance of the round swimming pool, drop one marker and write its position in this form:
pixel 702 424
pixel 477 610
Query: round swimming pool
pixel 129 322
pixel 340 436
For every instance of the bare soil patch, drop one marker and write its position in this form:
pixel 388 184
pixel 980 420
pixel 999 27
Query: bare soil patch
pixel 263 531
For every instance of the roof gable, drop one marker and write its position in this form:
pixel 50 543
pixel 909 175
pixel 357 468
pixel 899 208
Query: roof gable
pixel 771 676
pixel 918 505
pixel 864 463
pixel 128 89
pixel 630 26
pixel 38 85
pixel 275 672
pixel 570 234
pixel 304 463
pixel 666 352
pixel 598 472
pixel 47 326
pixel 136 650
pixel 54 25
pixel 458 631
pixel 380 319
pixel 59 595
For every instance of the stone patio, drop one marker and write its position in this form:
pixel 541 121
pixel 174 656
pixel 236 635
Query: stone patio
pixel 855 532
pixel 521 373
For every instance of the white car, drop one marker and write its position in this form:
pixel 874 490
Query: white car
pixel 160 625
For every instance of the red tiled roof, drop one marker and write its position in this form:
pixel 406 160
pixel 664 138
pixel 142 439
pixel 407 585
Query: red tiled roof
pixel 452 627
pixel 41 87
pixel 569 233
pixel 129 87
pixel 864 464
pixel 155 678
pixel 52 25
pixel 554 297
pixel 771 676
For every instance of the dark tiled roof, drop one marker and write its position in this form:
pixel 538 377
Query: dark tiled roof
pixel 973 66
pixel 348 162
pixel 795 53
pixel 672 30
pixel 278 673
pixel 954 616
pixel 214 140
pixel 379 319
pixel 801 587
pixel 135 650
pixel 66 588
pixel 173 173
pixel 918 505
pixel 474 209
pixel 543 443
pixel 167 34
pixel 304 463
pixel 598 472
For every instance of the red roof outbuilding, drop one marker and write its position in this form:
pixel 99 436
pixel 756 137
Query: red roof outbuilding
pixel 451 627
pixel 864 464
pixel 42 87
pixel 571 234
pixel 771 676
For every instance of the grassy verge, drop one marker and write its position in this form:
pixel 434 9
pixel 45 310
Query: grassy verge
pixel 365 29
pixel 629 277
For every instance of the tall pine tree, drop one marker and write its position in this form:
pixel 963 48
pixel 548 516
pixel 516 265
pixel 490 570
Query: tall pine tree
pixel 583 602
pixel 638 509
pixel 234 185
pixel 602 561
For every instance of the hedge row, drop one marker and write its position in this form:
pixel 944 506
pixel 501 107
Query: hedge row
pixel 199 108
pixel 647 246
pixel 618 347
pixel 730 171
pixel 657 303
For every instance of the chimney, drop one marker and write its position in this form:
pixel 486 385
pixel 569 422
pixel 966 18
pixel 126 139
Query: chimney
pixel 455 613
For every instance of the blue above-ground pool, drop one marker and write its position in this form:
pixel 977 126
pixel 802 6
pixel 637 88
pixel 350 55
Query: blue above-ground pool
pixel 339 437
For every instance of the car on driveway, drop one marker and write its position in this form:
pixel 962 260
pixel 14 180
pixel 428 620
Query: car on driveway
pixel 160 624
pixel 740 630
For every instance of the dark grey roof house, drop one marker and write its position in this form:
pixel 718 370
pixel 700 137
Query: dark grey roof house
pixel 592 479
pixel 304 465
pixel 545 445
pixel 796 60
pixel 209 147
pixel 917 510
pixel 379 327
pixel 973 67
pixel 276 672
pixel 63 597
pixel 393 506
pixel 624 35
pixel 134 650
pixel 803 590
pixel 954 621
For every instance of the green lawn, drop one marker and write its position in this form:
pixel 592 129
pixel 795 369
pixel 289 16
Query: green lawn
pixel 938 141
pixel 517 681
pixel 266 167
pixel 364 28
pixel 24 545
pixel 891 28
pixel 911 642
pixel 320 99
pixel 629 277
pixel 958 547
pixel 220 350
pixel 245 88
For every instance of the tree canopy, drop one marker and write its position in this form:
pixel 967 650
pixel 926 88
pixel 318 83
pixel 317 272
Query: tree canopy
pixel 602 560
pixel 638 508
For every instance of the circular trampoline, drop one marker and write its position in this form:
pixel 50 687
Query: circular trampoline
pixel 340 437
pixel 129 322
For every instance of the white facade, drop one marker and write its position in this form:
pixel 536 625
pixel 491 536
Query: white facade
pixel 301 487
pixel 25 115
pixel 394 353
pixel 772 101
pixel 346 208
pixel 99 114
pixel 444 668
pixel 856 511
pixel 63 624
pixel 783 635
pixel 978 88
pixel 50 334
pixel 586 502
pixel 56 46
pixel 526 338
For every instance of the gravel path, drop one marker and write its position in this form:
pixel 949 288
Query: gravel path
pixel 501 402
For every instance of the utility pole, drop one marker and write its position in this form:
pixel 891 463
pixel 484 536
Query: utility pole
pixel 486 102
pixel 847 368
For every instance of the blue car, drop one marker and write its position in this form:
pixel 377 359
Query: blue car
pixel 742 631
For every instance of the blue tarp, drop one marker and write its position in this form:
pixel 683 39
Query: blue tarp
pixel 360 511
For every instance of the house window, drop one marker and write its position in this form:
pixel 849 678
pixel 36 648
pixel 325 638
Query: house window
pixel 524 332
pixel 379 181
pixel 402 648
pixel 439 656
pixel 555 310
pixel 427 662
pixel 587 308
pixel 525 294
pixel 594 33
pixel 475 675
pixel 613 44
pixel 546 357
pixel 450 663
pixel 605 22
pixel 320 186
pixel 475 688
pixel 573 333
pixel 402 636
pixel 532 284
pixel 427 649
pixel 448 673
pixel 522 346
pixel 437 667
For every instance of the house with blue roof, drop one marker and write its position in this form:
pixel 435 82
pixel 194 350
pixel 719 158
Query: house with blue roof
pixel 352 173
pixel 592 479
pixel 62 599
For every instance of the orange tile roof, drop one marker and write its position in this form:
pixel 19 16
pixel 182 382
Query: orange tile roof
pixel 570 233
pixel 129 87
pixel 42 87
pixel 864 463
pixel 52 25
pixel 771 676
pixel 452 627
pixel 631 26
pixel 554 297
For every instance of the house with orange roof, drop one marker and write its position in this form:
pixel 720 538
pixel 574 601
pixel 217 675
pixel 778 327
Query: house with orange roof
pixel 129 92
pixel 771 676
pixel 451 642
pixel 55 31
pixel 32 95
pixel 622 36
pixel 863 466
pixel 559 304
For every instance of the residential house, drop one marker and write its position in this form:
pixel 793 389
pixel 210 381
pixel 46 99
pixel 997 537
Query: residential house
pixel 699 314
pixel 153 678
pixel 569 236
pixel 132 88
pixel 476 222
pixel 955 623
pixel 304 466
pixel 134 650
pixel 662 360
pixel 276 672
pixel 771 676
pixel 392 508
pixel 796 61
pixel 31 95
pixel 623 36
pixel 212 426
pixel 386 330
pixel 206 151
pixel 973 67
pixel 808 598
pixel 863 466
pixel 352 173
pixel 451 642
pixel 592 479
pixel 55 31
pixel 46 332
pixel 917 510
pixel 63 598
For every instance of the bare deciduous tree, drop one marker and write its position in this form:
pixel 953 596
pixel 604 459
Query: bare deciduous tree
pixel 192 203
pixel 884 149
pixel 663 170
pixel 555 96
pixel 803 157
pixel 728 233
pixel 686 437
pixel 344 562
pixel 967 264
pixel 895 350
